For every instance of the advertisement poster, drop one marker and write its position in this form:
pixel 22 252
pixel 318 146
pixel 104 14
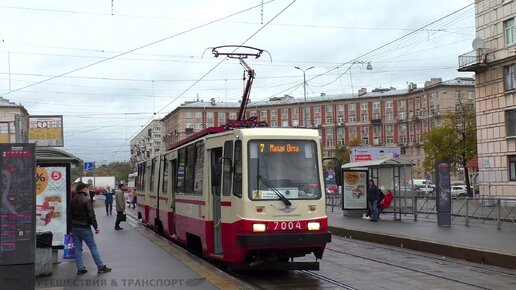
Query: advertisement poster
pixel 355 189
pixel 46 130
pixel 51 202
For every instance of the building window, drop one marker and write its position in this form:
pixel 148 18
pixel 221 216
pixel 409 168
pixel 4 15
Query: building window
pixel 273 113
pixel 365 141
pixel 364 117
pixel 512 167
pixel 509 72
pixel 284 123
pixel 363 106
pixel 401 103
pixel 510 32
pixel 295 122
pixel 352 119
pixel 188 115
pixel 284 111
pixel 390 140
pixel 376 105
pixel 471 95
pixel 232 116
pixel 253 114
pixel 222 116
pixel 388 104
pixel 263 114
pixel 376 116
pixel 510 122
pixel 340 108
pixel 209 115
pixel 295 111
pixel 351 107
pixel 403 127
pixel 388 128
pixel 342 142
pixel 273 123
pixel 352 132
pixel 317 110
pixel 329 120
pixel 329 109
pixel 388 116
pixel 198 115
pixel 365 130
pixel 403 139
pixel 402 116
pixel 317 121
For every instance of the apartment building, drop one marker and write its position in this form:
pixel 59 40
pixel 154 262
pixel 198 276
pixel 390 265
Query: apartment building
pixel 147 143
pixel 494 62
pixel 383 117
pixel 14 122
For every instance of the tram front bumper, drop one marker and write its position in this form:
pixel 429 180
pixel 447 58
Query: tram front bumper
pixel 283 239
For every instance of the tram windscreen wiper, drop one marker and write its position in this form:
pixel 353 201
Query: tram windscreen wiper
pixel 275 190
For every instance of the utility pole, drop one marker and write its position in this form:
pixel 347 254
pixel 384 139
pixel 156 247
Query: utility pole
pixel 304 90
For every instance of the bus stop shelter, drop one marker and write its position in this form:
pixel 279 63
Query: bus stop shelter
pixel 394 175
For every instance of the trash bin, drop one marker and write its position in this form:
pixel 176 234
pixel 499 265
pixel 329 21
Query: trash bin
pixel 43 259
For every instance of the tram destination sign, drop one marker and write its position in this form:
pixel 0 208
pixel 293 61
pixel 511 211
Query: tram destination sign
pixel 275 147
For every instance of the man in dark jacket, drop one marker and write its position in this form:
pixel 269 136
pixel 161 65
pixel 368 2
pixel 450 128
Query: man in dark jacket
pixel 373 196
pixel 82 218
pixel 120 205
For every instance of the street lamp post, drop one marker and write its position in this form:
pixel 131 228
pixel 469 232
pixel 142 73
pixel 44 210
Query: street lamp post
pixel 368 67
pixel 304 89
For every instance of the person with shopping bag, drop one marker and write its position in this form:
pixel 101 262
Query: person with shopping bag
pixel 120 206
pixel 82 219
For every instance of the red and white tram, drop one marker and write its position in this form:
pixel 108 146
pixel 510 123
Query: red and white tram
pixel 251 198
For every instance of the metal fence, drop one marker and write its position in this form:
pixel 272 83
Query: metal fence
pixel 499 212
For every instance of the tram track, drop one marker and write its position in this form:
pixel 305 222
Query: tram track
pixel 427 256
pixel 409 269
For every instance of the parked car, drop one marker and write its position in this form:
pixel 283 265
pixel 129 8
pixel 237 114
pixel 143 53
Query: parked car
pixel 458 191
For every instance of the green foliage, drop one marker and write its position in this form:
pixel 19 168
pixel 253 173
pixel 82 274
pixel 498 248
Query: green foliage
pixel 455 141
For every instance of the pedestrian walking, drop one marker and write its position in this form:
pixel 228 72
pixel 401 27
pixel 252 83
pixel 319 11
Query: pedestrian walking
pixel 373 195
pixel 109 193
pixel 131 198
pixel 120 205
pixel 82 219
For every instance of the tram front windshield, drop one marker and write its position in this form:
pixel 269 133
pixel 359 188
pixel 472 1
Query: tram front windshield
pixel 286 167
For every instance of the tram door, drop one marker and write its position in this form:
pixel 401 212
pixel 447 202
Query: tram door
pixel 215 158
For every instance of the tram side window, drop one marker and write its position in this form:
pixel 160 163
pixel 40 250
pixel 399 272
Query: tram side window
pixel 180 180
pixel 190 169
pixel 237 178
pixel 164 188
pixel 228 153
pixel 141 177
pixel 199 164
pixel 153 174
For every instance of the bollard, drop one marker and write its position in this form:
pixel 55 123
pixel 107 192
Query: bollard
pixel 467 212
pixel 414 207
pixel 498 203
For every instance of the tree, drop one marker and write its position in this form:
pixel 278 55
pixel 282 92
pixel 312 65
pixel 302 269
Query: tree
pixel 342 152
pixel 455 141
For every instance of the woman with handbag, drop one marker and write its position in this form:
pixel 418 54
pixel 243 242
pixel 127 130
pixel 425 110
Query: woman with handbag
pixel 120 205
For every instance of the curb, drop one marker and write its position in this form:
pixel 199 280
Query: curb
pixel 469 254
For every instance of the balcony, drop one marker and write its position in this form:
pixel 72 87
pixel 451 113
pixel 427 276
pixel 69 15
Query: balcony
pixel 474 60
pixel 376 121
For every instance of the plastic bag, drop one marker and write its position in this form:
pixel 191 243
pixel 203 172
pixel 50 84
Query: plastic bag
pixel 69 247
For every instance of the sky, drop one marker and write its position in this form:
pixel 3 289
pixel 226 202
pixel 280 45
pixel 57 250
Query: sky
pixel 110 67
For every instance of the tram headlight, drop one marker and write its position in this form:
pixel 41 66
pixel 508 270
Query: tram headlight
pixel 314 226
pixel 259 228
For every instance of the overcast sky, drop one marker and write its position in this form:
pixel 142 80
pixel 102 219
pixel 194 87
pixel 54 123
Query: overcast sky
pixel 109 67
